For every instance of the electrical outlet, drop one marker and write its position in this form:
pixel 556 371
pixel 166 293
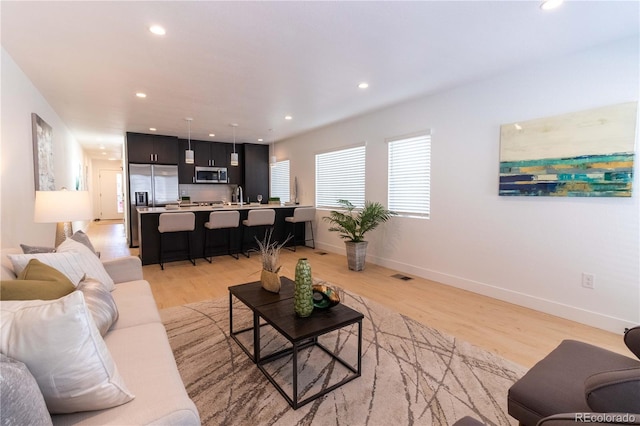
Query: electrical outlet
pixel 588 280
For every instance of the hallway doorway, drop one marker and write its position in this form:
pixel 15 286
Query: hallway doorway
pixel 111 195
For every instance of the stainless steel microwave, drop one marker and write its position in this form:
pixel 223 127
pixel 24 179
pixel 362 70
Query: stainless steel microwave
pixel 211 175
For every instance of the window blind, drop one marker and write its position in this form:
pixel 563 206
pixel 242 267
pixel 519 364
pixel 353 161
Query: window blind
pixel 340 176
pixel 410 175
pixel 280 181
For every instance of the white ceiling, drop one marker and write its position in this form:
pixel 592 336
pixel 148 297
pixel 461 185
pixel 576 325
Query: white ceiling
pixel 252 63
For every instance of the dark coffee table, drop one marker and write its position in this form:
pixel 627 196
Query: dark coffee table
pixel 278 312
pixel 253 295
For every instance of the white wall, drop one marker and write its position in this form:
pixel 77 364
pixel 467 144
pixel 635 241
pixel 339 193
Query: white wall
pixel 526 250
pixel 19 99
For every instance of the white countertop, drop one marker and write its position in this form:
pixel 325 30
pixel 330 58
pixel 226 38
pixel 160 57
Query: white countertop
pixel 143 210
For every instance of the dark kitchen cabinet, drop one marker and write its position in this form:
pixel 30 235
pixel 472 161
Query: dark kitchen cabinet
pixel 210 153
pixel 234 173
pixel 143 148
pixel 186 172
pixel 205 154
pixel 256 171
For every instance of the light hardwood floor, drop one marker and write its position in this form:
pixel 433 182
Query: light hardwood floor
pixel 519 334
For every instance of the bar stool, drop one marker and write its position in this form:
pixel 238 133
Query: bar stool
pixel 258 217
pixel 302 215
pixel 221 220
pixel 177 222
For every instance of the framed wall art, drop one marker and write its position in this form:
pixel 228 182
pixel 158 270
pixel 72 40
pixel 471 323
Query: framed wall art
pixel 42 154
pixel 580 154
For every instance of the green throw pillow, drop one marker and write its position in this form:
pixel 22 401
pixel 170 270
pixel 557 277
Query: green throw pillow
pixel 34 289
pixel 36 270
pixel 36 282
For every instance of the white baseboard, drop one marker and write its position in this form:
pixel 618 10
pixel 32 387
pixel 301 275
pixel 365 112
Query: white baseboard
pixel 573 313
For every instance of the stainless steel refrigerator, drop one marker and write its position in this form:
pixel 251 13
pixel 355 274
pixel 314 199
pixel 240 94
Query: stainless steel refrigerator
pixel 160 182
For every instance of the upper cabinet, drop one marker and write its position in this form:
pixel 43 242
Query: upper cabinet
pixel 143 148
pixel 256 171
pixel 209 153
pixel 234 173
pixel 186 172
pixel 252 171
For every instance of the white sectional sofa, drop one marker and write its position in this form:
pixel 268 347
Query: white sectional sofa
pixel 140 349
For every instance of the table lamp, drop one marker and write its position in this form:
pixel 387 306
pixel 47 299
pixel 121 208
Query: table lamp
pixel 62 207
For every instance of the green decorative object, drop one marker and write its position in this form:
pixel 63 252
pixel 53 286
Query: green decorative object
pixel 303 295
pixel 324 297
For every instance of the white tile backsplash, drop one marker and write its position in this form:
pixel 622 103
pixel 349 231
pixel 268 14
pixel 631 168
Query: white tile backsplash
pixel 207 192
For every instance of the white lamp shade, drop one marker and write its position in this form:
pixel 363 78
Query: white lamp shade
pixel 62 206
pixel 234 158
pixel 188 156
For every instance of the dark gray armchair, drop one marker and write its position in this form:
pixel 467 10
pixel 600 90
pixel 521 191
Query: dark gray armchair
pixel 577 377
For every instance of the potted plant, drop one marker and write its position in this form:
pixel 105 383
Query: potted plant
pixel 270 252
pixel 353 224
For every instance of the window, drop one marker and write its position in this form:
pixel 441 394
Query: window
pixel 410 175
pixel 340 176
pixel 280 181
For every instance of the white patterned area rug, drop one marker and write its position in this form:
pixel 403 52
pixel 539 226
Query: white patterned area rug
pixel 411 374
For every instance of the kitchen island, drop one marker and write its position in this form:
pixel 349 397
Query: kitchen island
pixel 149 236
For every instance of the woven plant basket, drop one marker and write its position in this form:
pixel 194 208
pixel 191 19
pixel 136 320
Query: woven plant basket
pixel 270 281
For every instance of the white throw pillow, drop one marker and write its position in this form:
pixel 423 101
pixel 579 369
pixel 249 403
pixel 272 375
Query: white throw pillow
pixel 92 265
pixel 73 259
pixel 63 349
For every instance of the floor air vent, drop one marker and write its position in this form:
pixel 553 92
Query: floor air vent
pixel 401 277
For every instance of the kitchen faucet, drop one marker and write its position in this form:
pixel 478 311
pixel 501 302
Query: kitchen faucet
pixel 241 196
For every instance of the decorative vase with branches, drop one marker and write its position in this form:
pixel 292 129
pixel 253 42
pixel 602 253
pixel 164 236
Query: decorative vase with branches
pixel 270 253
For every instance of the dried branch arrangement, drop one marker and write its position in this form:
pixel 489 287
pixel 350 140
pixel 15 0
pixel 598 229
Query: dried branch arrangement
pixel 270 251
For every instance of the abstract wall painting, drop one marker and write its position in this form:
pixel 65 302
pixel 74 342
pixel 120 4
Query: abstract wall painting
pixel 580 154
pixel 42 154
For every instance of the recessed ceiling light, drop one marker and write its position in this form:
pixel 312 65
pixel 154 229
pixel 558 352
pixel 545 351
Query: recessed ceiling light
pixel 153 129
pixel 550 4
pixel 363 85
pixel 288 117
pixel 260 140
pixel 141 95
pixel 157 30
pixel 211 134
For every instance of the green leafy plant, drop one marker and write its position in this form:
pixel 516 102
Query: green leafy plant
pixel 353 224
pixel 270 251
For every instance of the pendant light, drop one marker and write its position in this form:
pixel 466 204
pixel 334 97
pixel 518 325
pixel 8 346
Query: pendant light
pixel 188 154
pixel 234 154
